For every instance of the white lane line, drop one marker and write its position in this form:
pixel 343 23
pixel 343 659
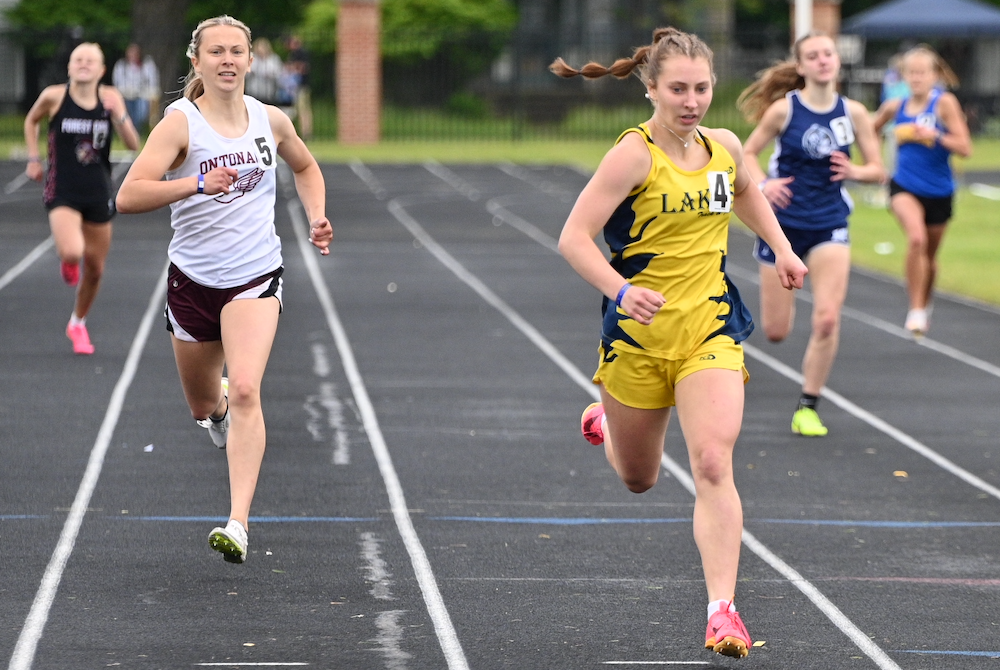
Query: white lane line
pixel 545 186
pixel 397 209
pixel 886 327
pixel 26 262
pixel 247 664
pixel 877 423
pixel 390 636
pixel 376 569
pixel 845 625
pixel 27 642
pixel 443 627
pixel 985 191
pixel 503 214
pixel 369 179
pixel 453 180
pixel 16 183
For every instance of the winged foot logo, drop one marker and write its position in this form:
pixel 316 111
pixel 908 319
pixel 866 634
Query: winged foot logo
pixel 245 183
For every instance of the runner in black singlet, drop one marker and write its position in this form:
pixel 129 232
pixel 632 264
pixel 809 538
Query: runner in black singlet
pixel 82 116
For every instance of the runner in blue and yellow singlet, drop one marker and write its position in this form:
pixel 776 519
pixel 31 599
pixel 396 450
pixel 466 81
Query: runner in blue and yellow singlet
pixel 673 322
pixel 929 127
pixel 671 235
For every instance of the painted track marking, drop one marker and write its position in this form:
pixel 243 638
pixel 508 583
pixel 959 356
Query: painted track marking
pixel 26 262
pixel 443 626
pixel 27 641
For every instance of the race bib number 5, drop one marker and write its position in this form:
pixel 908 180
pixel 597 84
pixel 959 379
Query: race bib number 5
pixel 265 154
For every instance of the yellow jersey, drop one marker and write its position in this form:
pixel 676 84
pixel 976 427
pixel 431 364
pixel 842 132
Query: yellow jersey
pixel 671 235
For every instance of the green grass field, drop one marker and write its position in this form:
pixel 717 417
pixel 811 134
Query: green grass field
pixel 969 260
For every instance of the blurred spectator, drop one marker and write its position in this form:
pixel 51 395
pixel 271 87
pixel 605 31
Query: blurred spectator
pixel 894 87
pixel 263 79
pixel 893 84
pixel 298 59
pixel 288 88
pixel 139 81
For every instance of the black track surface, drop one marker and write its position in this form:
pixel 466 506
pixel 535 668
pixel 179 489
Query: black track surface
pixel 541 557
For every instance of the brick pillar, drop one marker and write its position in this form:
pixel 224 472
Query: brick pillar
pixel 359 72
pixel 825 17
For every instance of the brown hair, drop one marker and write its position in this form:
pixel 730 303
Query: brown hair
pixel 647 59
pixel 774 82
pixel 193 85
pixel 945 74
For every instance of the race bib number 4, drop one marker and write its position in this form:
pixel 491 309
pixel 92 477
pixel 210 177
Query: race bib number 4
pixel 720 193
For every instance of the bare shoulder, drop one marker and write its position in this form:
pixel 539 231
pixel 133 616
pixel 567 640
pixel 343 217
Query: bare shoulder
pixel 48 103
pixel 626 164
pixel 726 138
pixel 949 100
pixel 855 107
pixel 281 124
pixel 776 113
pixel 53 94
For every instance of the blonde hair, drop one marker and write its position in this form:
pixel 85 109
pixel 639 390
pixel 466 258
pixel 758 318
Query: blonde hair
pixel 945 74
pixel 774 82
pixel 193 85
pixel 647 60
pixel 91 45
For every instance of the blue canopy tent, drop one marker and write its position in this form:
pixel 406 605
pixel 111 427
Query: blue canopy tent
pixel 901 19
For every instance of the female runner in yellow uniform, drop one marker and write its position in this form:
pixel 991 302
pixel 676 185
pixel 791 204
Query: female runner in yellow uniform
pixel 663 195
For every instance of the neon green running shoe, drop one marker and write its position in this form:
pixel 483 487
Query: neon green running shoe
pixel 806 422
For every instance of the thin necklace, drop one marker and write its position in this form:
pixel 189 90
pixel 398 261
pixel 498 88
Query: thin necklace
pixel 685 143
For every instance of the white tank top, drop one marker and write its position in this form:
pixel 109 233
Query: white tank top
pixel 227 240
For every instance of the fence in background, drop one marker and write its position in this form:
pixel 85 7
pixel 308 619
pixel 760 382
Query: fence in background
pixel 473 88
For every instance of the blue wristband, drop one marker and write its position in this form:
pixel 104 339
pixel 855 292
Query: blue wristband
pixel 201 183
pixel 621 294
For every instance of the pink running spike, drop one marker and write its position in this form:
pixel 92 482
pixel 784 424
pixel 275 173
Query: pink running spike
pixel 70 273
pixel 726 633
pixel 80 338
pixel 590 423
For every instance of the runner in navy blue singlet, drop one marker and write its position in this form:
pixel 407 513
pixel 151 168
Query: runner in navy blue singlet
pixel 795 104
pixel 83 116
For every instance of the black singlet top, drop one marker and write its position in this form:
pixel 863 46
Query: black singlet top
pixel 79 153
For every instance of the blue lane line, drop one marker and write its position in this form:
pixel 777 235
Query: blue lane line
pixel 582 521
pixel 552 521
pixel 15 517
pixel 883 524
pixel 987 654
pixel 555 521
pixel 254 519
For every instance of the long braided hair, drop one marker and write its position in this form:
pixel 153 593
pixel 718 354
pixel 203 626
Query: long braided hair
pixel 646 60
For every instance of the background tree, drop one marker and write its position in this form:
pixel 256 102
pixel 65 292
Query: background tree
pixel 424 37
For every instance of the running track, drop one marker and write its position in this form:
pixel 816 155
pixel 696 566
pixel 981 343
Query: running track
pixel 426 500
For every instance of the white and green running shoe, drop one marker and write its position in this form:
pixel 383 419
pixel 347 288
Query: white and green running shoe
pixel 230 541
pixel 218 429
pixel 806 422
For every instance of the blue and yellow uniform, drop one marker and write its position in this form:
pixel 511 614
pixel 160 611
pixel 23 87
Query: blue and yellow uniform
pixel 671 235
